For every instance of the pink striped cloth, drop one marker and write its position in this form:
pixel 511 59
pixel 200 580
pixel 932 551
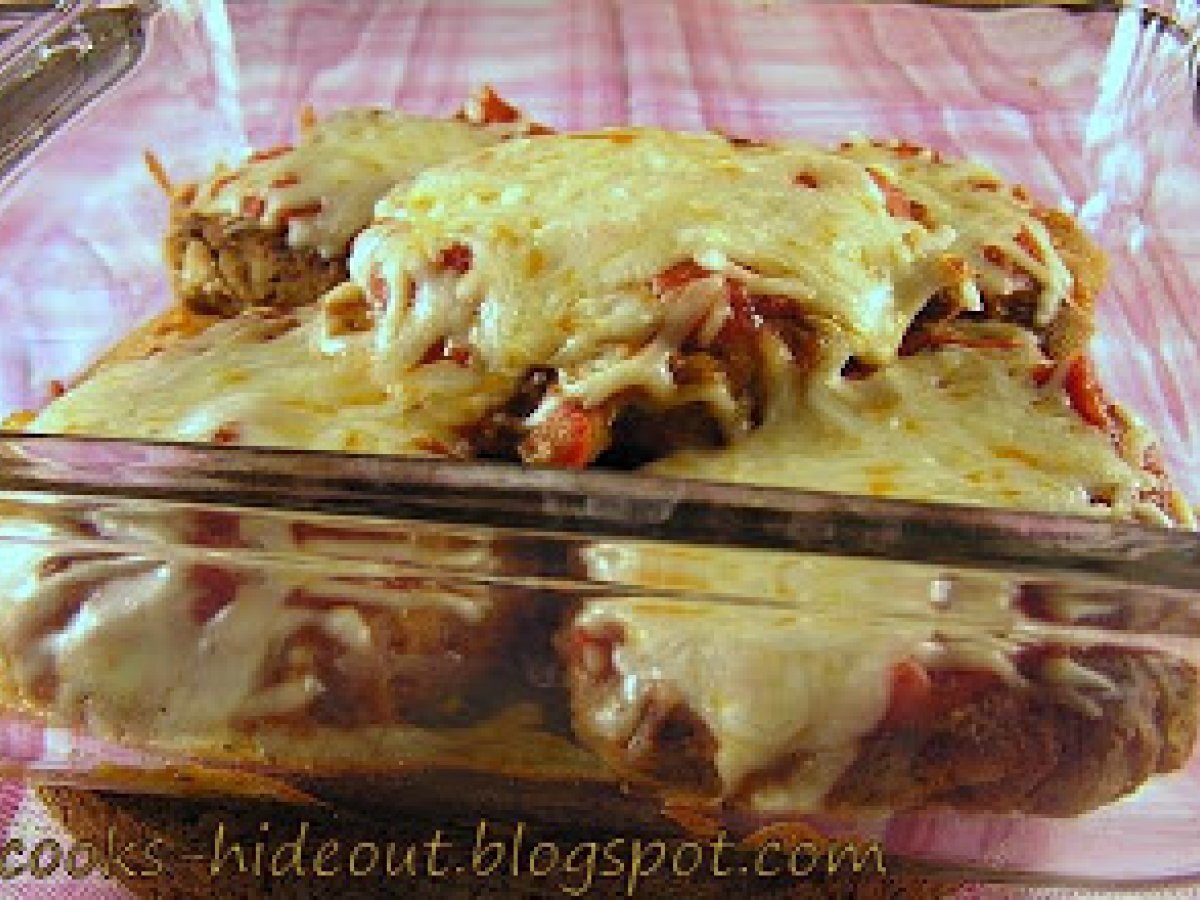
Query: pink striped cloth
pixel 1092 112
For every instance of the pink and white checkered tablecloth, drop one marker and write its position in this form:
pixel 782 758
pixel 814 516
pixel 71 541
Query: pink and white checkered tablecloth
pixel 1087 110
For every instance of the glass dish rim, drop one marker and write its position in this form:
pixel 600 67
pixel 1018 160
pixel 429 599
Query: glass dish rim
pixel 602 504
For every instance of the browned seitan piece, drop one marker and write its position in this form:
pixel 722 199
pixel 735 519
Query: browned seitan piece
pixel 276 230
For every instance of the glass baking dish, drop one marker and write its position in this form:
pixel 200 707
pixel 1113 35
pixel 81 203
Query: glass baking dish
pixel 1090 106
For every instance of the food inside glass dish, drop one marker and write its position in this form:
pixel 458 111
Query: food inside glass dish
pixel 871 318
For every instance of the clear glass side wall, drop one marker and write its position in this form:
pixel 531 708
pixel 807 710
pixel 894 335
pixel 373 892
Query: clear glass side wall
pixel 100 532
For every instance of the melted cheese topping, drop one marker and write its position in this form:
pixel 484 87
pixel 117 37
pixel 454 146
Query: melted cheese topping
pixel 566 233
pixel 134 660
pixel 985 214
pixel 956 426
pixel 130 653
pixel 809 678
pixel 257 381
pixel 322 191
